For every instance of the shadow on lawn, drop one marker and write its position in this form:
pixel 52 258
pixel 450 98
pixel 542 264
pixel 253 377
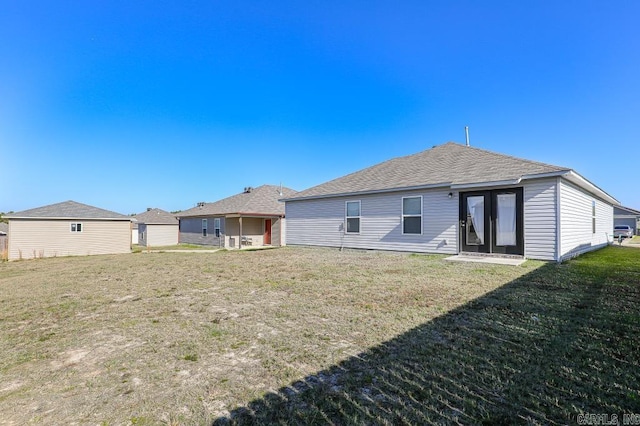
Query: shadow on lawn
pixel 557 342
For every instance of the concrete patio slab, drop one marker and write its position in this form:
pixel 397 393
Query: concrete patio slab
pixel 487 259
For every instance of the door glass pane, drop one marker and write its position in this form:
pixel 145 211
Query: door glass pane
pixel 475 221
pixel 506 220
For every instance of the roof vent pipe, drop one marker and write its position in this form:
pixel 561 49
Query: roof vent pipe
pixel 466 133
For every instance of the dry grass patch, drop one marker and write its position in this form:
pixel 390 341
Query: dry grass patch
pixel 180 338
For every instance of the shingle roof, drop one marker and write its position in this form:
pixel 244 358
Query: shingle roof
pixel 263 200
pixel 68 210
pixel 629 209
pixel 4 228
pixel 446 164
pixel 157 217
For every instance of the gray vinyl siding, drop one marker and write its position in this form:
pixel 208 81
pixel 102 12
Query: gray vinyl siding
pixel 540 220
pixel 191 231
pixel 34 238
pixel 576 221
pixel 321 222
pixel 157 235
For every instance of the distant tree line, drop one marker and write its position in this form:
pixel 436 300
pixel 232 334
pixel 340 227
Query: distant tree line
pixel 2 218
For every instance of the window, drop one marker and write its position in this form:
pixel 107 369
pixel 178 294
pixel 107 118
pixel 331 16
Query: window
pixel 204 227
pixel 76 227
pixel 216 226
pixel 593 217
pixel 412 215
pixel 353 217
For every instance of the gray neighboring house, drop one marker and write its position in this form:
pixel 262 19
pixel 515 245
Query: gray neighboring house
pixel 627 216
pixel 253 217
pixel 456 199
pixel 157 228
pixel 67 229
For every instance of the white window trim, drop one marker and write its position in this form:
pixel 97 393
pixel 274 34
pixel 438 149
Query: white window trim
pixel 594 222
pixel 76 231
pixel 402 215
pixel 216 228
pixel 205 228
pixel 359 217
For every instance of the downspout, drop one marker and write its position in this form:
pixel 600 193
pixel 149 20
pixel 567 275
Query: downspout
pixel 558 220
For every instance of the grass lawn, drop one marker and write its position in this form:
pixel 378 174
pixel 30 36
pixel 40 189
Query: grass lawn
pixel 319 336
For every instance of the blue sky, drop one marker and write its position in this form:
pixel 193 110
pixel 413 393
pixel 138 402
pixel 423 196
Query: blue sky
pixel 126 105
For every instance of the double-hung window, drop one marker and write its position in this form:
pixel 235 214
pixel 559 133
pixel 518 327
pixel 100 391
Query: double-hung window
pixel 216 226
pixel 352 218
pixel 76 227
pixel 204 227
pixel 412 215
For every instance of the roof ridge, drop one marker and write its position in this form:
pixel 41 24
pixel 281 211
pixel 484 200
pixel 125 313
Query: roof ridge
pixel 513 157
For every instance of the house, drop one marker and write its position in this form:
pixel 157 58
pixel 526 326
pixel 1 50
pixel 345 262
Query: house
pixel 157 227
pixel 626 216
pixel 67 229
pixel 253 217
pixel 456 199
pixel 4 228
pixel 134 232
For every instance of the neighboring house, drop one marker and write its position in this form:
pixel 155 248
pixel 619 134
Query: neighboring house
pixel 67 229
pixel 254 217
pixel 456 199
pixel 4 228
pixel 626 216
pixel 134 232
pixel 157 227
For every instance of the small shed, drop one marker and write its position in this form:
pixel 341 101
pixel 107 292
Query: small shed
pixel 157 228
pixel 67 229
